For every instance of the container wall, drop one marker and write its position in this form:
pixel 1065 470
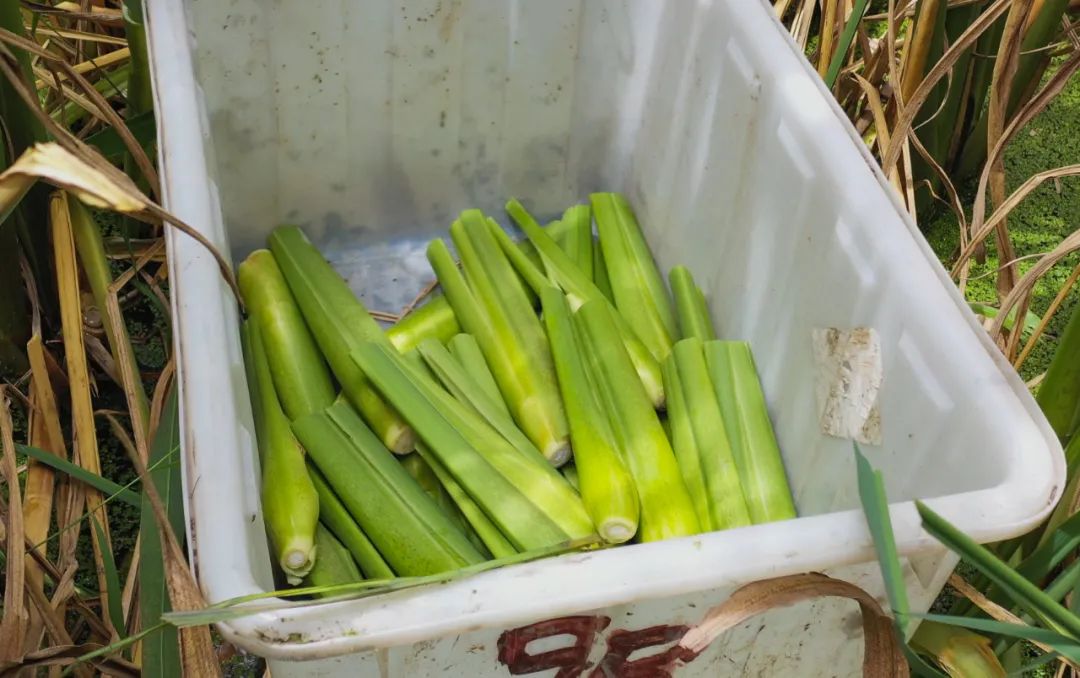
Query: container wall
pixel 373 132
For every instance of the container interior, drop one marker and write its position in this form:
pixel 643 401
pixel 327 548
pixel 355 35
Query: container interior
pixel 373 124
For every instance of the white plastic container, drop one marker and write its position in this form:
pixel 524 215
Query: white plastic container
pixel 372 123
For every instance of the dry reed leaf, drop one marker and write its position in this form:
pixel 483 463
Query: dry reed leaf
pixel 65 655
pixel 61 133
pixel 1007 206
pixel 1023 287
pixel 95 186
pixel 827 34
pixel 161 389
pixel 423 294
pixel 902 127
pixel 882 658
pixel 82 408
pixel 994 610
pixel 196 646
pixel 117 56
pixel 14 618
pixel 1005 64
pixel 1059 298
pixel 1026 114
pixel 881 125
pixel 81 35
pixel 44 425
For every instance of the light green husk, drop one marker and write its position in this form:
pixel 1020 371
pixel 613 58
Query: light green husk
pixel 336 518
pixel 746 419
pixel 486 531
pixel 727 506
pixel 578 240
pixel 640 293
pixel 335 564
pixel 494 312
pixel 426 477
pixel 692 310
pixel 289 503
pixel 434 319
pixel 605 484
pixel 528 499
pixel 468 354
pixel 666 508
pixel 408 528
pixel 339 322
pixel 681 434
pixel 301 377
pixel 579 289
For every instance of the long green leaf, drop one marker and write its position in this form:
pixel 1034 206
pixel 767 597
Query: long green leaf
pixel 875 507
pixel 846 37
pixel 160 651
pixel 236 608
pixel 103 485
pixel 1026 595
pixel 112 577
pixel 1066 646
pixel 143 127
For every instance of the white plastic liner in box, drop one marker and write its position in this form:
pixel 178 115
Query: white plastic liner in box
pixel 373 123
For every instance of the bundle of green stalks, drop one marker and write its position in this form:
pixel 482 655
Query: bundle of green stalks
pixel 436 444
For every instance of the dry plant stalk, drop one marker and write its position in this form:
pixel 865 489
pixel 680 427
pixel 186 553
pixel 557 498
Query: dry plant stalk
pixel 82 407
pixel 14 619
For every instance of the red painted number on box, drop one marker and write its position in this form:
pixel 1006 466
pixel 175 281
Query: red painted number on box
pixel 573 660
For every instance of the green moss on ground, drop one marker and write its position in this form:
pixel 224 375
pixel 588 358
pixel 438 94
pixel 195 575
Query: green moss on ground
pixel 1038 224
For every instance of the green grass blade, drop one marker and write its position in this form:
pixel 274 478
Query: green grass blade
pixel 108 142
pixel 1065 645
pixel 336 518
pixel 876 509
pixel 236 608
pixel 112 577
pixel 666 507
pixel 690 305
pixel 103 485
pixel 842 47
pixel 160 651
pixel 1025 594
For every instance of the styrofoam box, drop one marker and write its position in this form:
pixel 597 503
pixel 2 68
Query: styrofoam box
pixel 373 123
